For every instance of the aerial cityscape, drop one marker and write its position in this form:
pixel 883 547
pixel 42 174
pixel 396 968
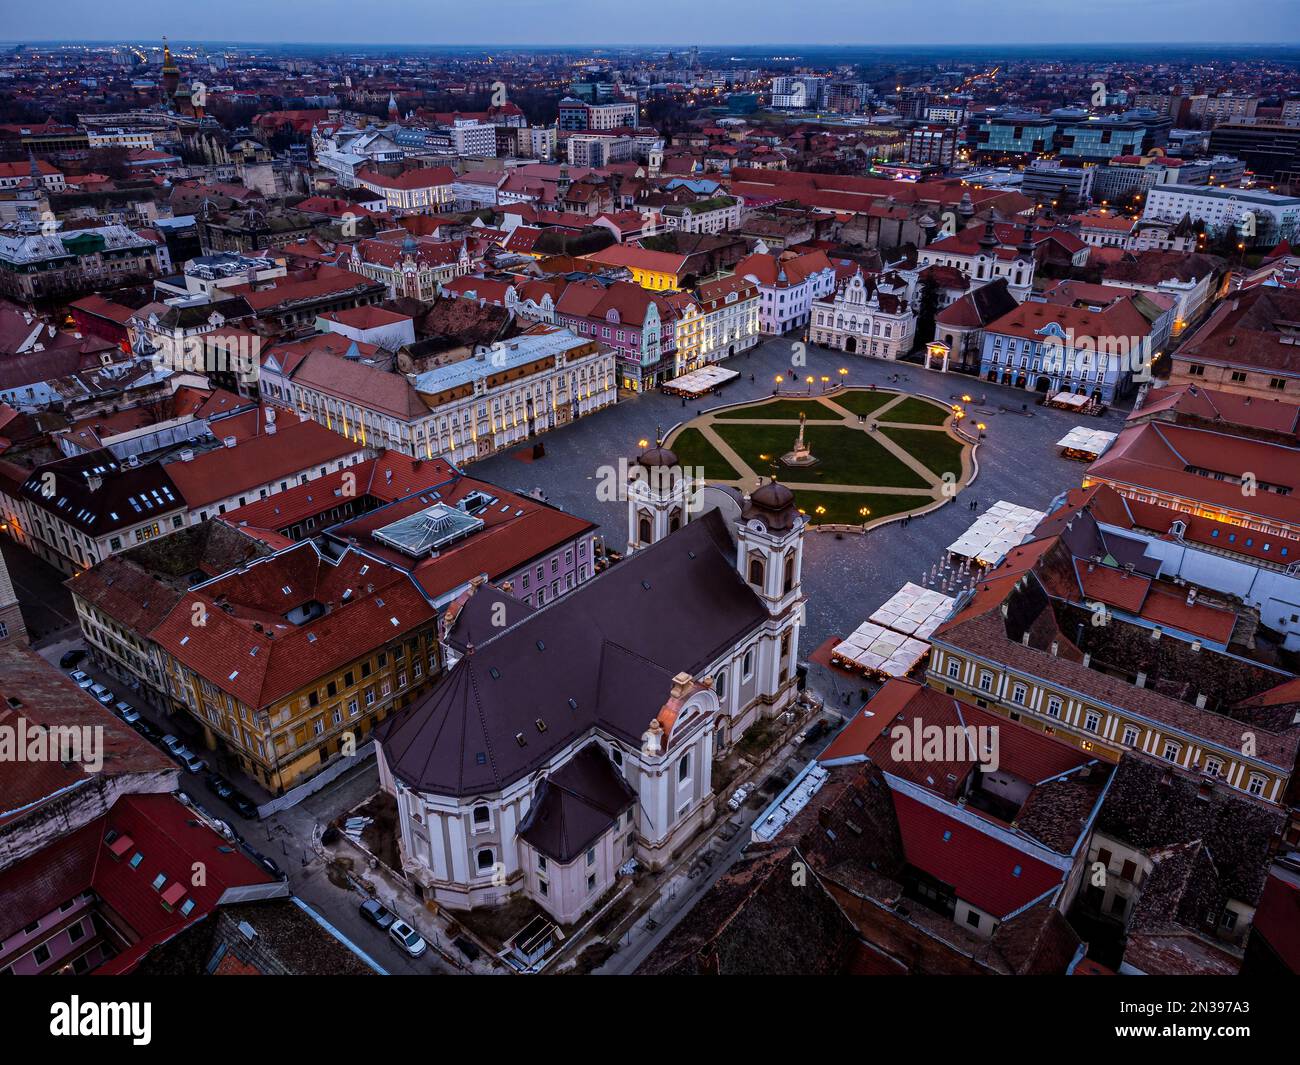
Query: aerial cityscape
pixel 703 506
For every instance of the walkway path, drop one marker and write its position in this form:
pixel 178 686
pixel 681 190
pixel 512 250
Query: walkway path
pixel 839 417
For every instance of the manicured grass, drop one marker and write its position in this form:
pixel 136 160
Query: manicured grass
pixel 844 508
pixel 692 449
pixel 915 411
pixel 782 410
pixel 847 456
pixel 934 449
pixel 862 400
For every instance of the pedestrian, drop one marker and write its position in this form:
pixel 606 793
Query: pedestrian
pixel 683 401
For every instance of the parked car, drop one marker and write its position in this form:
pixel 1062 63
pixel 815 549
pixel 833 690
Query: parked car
pixel 265 862
pixel 146 729
pixel 813 732
pixel 81 679
pixel 739 796
pixel 220 786
pixel 244 806
pixel 190 760
pixel 407 938
pixel 71 658
pixel 172 743
pixel 102 694
pixel 377 915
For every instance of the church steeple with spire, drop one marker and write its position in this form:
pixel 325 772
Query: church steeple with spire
pixel 171 74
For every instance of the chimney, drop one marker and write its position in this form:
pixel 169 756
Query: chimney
pixel 229 441
pixel 681 685
pixel 1024 639
pixel 1191 596
pixel 1155 633
pixel 1087 659
pixel 1200 701
pixel 1141 681
pixel 1196 646
pixel 1056 647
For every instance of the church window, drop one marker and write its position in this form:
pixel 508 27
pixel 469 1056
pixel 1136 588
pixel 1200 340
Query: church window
pixel 756 571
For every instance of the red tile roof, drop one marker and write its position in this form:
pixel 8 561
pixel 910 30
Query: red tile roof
pixel 256 461
pixel 249 649
pixel 986 872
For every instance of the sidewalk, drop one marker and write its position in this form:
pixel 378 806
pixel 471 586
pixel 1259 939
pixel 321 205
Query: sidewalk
pixel 393 892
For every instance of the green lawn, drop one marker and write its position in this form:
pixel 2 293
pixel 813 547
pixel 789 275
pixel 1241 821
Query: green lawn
pixel 915 411
pixel 692 449
pixel 934 449
pixel 844 508
pixel 783 409
pixel 862 400
pixel 847 456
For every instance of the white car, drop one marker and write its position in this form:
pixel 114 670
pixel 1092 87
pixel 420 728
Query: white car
pixel 81 679
pixel 172 743
pixel 739 796
pixel 102 694
pixel 190 760
pixel 407 938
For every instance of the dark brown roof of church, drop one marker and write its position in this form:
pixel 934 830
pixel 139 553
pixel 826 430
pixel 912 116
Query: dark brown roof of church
pixel 605 654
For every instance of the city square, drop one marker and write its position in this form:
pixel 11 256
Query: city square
pixel 845 576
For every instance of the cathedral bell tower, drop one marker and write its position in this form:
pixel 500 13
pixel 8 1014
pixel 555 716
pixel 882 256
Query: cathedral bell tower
pixel 659 496
pixel 769 546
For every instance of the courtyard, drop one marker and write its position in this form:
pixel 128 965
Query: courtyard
pixel 879 453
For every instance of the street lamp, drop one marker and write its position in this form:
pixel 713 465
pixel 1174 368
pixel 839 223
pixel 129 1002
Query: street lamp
pixel 825 382
pixel 809 379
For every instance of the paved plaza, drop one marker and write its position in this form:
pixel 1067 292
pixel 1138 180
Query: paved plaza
pixel 845 577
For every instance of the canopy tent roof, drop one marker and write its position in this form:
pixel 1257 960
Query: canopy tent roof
pixel 1091 441
pixel 996 531
pixel 914 611
pixel 700 382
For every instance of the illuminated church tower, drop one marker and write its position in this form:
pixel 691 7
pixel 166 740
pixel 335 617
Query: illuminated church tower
pixel 171 75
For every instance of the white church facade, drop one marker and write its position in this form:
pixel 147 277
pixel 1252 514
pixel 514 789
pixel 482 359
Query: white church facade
pixel 569 739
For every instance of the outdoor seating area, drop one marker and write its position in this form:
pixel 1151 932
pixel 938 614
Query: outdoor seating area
pixel 995 532
pixel 876 651
pixel 700 382
pixel 914 611
pixel 1084 443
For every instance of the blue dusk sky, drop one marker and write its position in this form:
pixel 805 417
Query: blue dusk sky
pixel 669 22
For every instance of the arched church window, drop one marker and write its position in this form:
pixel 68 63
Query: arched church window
pixel 485 858
pixel 788 580
pixel 756 571
pixel 482 815
pixel 644 529
pixel 674 520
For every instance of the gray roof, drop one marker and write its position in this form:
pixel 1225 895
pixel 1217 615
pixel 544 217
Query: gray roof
pixel 604 655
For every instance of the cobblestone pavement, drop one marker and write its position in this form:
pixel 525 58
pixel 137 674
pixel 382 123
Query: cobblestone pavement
pixel 844 579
